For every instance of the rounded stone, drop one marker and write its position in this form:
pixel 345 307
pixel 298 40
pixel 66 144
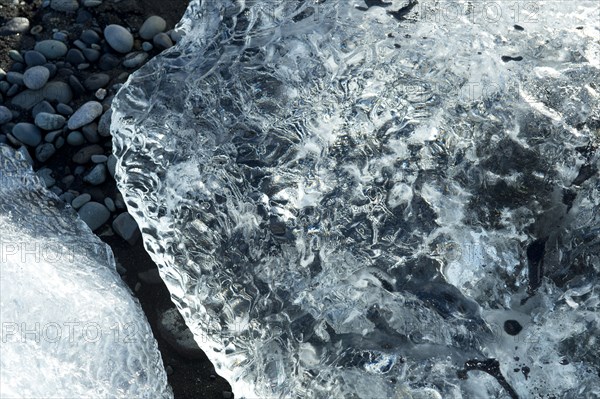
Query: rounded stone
pixel 134 60
pixel 119 38
pixel 15 56
pixel 51 136
pixel 81 200
pixel 75 57
pixel 76 85
pixel 43 106
pixel 5 115
pixel 47 121
pixel 44 151
pixel 61 36
pixel 64 109
pixel 104 124
pixel 90 36
pixel 94 214
pixel 147 46
pixel 75 139
pixel 151 26
pixel 14 89
pixel 36 77
pixel 111 164
pixel 110 204
pixel 99 158
pixel 85 114
pixel 96 81
pixel 162 41
pixel 97 175
pixel 91 54
pixel 59 143
pixel 15 78
pixel 34 58
pixel 58 91
pixel 66 197
pixel 64 5
pixel 27 133
pixel 90 132
pixel 51 49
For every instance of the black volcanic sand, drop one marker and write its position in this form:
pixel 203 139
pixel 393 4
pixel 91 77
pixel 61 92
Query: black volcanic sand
pixel 188 378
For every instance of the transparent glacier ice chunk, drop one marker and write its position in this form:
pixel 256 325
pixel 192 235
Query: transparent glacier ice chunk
pixel 70 327
pixel 351 199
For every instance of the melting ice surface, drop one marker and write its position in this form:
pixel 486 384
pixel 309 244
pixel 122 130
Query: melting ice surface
pixel 70 328
pixel 373 199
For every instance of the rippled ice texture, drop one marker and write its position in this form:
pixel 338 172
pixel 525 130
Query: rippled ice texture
pixel 70 327
pixel 349 199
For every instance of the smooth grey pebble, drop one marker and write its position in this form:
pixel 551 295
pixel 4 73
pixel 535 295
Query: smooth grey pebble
pixel 152 26
pixel 76 85
pixel 91 54
pixel 119 38
pixel 43 152
pixel 43 106
pixel 66 197
pixel 64 109
pixel 14 89
pixel 111 164
pixel 90 132
pixel 162 41
pixel 5 115
pixel 147 46
pixel 75 57
pixel 104 124
pixel 47 121
pixel 134 60
pixel 27 133
pixel 36 77
pixel 90 36
pixel 15 78
pixel 75 139
pixel 94 214
pixel 126 227
pixel 61 36
pixel 96 81
pixel 109 203
pixel 51 136
pixel 15 56
pixel 81 200
pixel 34 58
pixel 87 113
pixel 51 49
pixel 99 158
pixel 97 175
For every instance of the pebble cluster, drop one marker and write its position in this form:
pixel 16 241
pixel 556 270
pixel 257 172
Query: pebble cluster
pixel 55 107
pixel 55 102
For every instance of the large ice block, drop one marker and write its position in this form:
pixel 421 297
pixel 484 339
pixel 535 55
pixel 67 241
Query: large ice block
pixel 70 327
pixel 370 199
